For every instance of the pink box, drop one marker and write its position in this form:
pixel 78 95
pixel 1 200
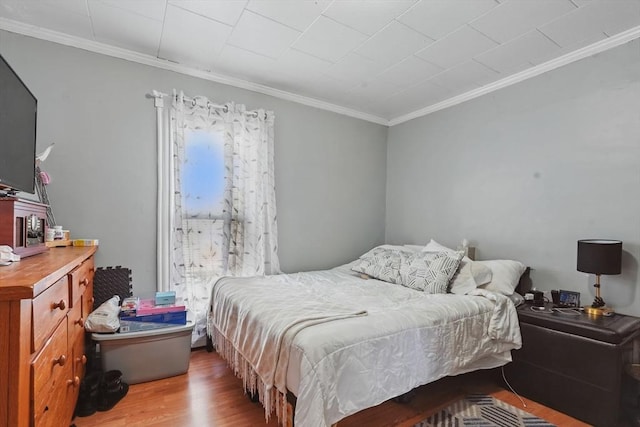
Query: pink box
pixel 148 306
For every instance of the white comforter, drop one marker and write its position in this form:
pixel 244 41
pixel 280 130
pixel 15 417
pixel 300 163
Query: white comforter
pixel 353 343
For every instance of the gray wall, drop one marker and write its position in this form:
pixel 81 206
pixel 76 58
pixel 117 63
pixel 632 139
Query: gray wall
pixel 526 171
pixel 330 169
pixel 523 172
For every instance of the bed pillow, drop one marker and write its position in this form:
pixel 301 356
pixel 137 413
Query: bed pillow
pixel 506 275
pixel 434 246
pixel 414 247
pixel 382 262
pixel 429 272
pixel 470 274
pixel 398 247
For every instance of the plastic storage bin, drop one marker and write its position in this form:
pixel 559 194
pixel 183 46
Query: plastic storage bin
pixel 147 355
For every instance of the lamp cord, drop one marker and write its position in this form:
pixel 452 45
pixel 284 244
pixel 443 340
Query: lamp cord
pixel 524 405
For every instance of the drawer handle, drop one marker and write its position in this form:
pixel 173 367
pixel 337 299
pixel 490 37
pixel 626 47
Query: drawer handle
pixel 84 282
pixel 60 360
pixel 82 359
pixel 80 322
pixel 61 305
pixel 74 382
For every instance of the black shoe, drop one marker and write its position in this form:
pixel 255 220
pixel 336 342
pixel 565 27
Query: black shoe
pixel 112 390
pixel 88 395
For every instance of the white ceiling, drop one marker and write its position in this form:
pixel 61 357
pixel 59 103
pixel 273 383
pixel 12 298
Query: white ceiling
pixel 386 61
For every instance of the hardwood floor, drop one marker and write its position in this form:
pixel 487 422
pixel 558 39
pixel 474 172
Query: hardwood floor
pixel 210 395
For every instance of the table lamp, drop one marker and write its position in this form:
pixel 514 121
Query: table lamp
pixel 599 256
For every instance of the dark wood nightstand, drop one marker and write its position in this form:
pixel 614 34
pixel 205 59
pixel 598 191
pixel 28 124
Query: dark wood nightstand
pixel 574 363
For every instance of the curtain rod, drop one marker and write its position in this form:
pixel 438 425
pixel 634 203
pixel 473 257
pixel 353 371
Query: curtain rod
pixel 159 95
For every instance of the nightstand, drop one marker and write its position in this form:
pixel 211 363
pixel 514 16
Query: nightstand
pixel 574 363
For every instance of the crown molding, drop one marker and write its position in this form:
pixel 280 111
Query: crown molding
pixel 128 55
pixel 600 46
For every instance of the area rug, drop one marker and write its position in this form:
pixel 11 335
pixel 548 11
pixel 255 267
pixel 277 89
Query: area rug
pixel 479 410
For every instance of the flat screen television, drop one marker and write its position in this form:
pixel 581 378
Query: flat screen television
pixel 18 114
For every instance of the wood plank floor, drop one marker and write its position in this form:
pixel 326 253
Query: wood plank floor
pixel 210 395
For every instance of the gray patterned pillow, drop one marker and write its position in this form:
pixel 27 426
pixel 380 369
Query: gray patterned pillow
pixel 429 272
pixel 382 263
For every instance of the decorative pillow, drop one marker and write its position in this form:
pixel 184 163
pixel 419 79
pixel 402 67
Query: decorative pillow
pixel 429 272
pixel 382 262
pixel 470 273
pixel 506 275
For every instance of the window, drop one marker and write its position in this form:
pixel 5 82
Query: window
pixel 203 180
pixel 203 174
pixel 216 198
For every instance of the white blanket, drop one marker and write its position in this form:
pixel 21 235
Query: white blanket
pixel 406 339
pixel 260 317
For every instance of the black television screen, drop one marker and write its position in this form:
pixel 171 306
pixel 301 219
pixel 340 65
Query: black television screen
pixel 18 111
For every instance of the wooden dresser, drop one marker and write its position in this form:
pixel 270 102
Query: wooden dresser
pixel 44 300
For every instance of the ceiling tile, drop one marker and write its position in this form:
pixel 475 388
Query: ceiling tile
pixel 464 77
pixel 457 47
pixel 352 68
pixel 437 18
pixel 573 27
pixel 262 35
pixel 75 6
pixel 68 19
pixel 376 108
pixel 409 72
pixel 373 89
pixel 294 62
pixel 328 89
pixel 414 98
pixel 516 17
pixel 568 49
pixel 153 9
pixel 528 48
pixel 192 39
pixel 243 64
pixel 287 82
pixel 329 40
pixel 251 67
pixel 394 43
pixel 619 16
pixel 125 29
pixel 294 13
pixel 225 11
pixel 370 18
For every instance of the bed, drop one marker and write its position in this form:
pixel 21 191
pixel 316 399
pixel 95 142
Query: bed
pixel 339 341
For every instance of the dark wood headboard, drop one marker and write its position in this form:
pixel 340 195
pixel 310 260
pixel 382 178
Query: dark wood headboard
pixel 524 285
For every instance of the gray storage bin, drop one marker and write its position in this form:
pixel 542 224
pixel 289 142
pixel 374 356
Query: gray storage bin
pixel 147 355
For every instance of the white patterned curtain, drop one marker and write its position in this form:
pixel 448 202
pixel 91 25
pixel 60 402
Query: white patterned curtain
pixel 235 234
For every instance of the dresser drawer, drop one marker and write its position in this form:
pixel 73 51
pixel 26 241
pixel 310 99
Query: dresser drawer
pixel 76 324
pixel 51 373
pixel 49 308
pixel 81 277
pixel 87 301
pixel 563 355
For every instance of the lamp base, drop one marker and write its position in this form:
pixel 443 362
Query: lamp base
pixel 598 311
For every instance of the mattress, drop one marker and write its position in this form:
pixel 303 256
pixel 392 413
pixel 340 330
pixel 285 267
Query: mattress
pixel 341 365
